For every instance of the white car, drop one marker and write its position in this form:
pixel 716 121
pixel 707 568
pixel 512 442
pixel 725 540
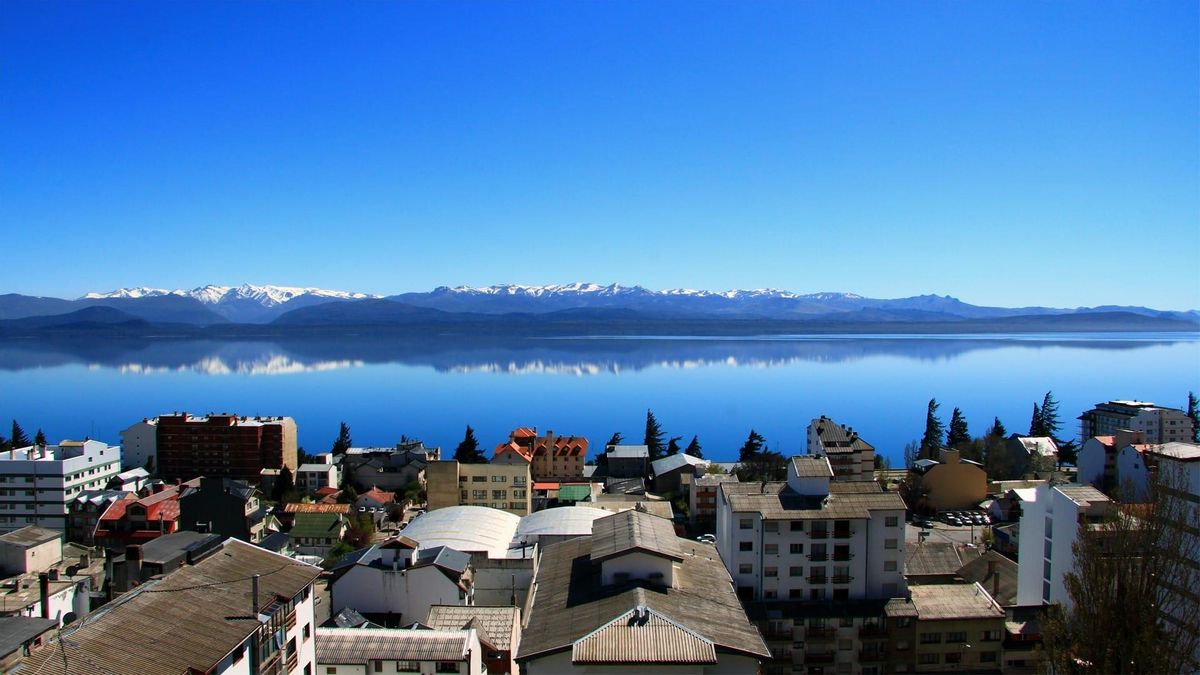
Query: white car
pixel 707 539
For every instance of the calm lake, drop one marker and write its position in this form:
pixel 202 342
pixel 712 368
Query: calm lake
pixel 431 388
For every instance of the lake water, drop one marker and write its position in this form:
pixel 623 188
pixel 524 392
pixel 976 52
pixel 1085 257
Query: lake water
pixel 431 388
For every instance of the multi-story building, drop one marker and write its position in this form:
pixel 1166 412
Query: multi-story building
pixel 817 559
pixel 1050 523
pixel 952 483
pixel 627 461
pixel 945 627
pixel 225 506
pixel 388 468
pixel 1161 425
pixel 551 457
pixel 1097 460
pixel 139 520
pixel 38 482
pixel 240 610
pixel 139 445
pixel 392 651
pixel 702 499
pixel 500 486
pixel 222 445
pixel 316 475
pixel 851 457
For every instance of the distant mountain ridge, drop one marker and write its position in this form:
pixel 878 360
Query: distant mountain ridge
pixel 581 302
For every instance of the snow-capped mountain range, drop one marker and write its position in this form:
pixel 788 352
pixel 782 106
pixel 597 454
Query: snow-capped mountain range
pixel 298 306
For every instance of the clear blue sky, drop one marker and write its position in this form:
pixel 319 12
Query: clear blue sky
pixel 1005 153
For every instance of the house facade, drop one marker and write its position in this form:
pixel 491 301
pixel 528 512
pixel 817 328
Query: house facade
pixel 37 483
pixel 851 457
pixel 500 486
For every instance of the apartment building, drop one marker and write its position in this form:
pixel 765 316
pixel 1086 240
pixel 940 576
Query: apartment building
pixel 240 610
pixel 1050 522
pixel 1159 424
pixel 951 483
pixel 388 468
pixel 1097 460
pixel 322 473
pixel 817 559
pixel 851 457
pixel 945 627
pixel 499 486
pixel 392 651
pixel 223 445
pixel 702 499
pixel 38 482
pixel 551 457
pixel 225 506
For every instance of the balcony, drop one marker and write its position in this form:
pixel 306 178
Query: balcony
pixel 818 557
pixel 818 580
pixel 819 657
pixel 843 534
pixel 842 557
pixel 818 534
pixel 819 633
pixel 842 578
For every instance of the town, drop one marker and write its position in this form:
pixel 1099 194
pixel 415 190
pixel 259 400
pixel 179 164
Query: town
pixel 249 555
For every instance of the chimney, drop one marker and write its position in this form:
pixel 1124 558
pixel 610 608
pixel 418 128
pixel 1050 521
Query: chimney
pixel 53 572
pixel 85 560
pixel 254 596
pixel 44 587
pixel 133 563
pixel 995 581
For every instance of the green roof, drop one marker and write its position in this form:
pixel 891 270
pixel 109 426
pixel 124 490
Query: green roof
pixel 574 493
pixel 314 525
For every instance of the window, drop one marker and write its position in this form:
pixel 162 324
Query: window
pixel 307 631
pixel 771 572
pixel 931 638
pixel 770 595
pixel 927 659
pixel 746 524
pixel 1045 569
pixel 745 568
pixel 408 666
pixel 797 526
pixel 795 571
pixel 841 594
pixel 745 546
pixel 446 667
pixel 330 670
pixel 478 479
pixel 889 543
pixel 797 549
pixel 956 636
pixel 796 594
pixel 498 479
pixel 889 566
pixel 816 594
pixel 991 636
pixel 478 494
pixel 771 549
pixel 987 657
pixel 378 666
pixel 954 657
pixel 499 494
pixel 771 526
pixel 891 521
pixel 1047 550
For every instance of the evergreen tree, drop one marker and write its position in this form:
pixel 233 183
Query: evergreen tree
pixel 752 447
pixel 39 438
pixel 998 430
pixel 467 451
pixel 1050 420
pixel 693 448
pixel 1036 426
pixel 343 441
pixel 19 439
pixel 957 435
pixel 1193 413
pixel 931 442
pixel 912 452
pixel 5 446
pixel 616 439
pixel 284 485
pixel 673 445
pixel 654 436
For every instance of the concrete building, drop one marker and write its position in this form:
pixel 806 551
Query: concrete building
pixel 1097 460
pixel 1050 523
pixel 225 506
pixel 38 482
pixel 499 486
pixel 390 651
pixel 316 475
pixel 669 472
pixel 1138 466
pixel 498 628
pixel 627 461
pixel 139 445
pixel 851 457
pixel 45 578
pixel 952 483
pixel 18 636
pixel 1029 453
pixel 550 457
pixel 1159 424
pixel 224 445
pixel 139 520
pixel 316 533
pixel 946 627
pixel 634 598
pixel 243 610
pixel 30 550
pixel 85 509
pixel 702 499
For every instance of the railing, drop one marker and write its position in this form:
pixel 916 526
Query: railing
pixel 842 557
pixel 842 578
pixel 843 534
pixel 819 633
pixel 818 534
pixel 821 657
pixel 818 557
pixel 817 580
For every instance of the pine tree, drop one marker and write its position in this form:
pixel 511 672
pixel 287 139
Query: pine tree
pixel 912 452
pixel 957 435
pixel 998 430
pixel 19 439
pixel 284 485
pixel 616 439
pixel 654 436
pixel 673 445
pixel 5 446
pixel 752 447
pixel 467 451
pixel 39 438
pixel 931 442
pixel 1193 413
pixel 693 448
pixel 343 442
pixel 1036 426
pixel 1050 420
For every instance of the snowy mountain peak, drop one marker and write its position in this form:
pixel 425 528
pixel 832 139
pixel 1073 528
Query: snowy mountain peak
pixel 139 292
pixel 268 296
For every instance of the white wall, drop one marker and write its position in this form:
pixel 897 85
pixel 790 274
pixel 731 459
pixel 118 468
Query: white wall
pixel 409 593
pixel 1030 547
pixel 1091 462
pixel 139 443
pixel 638 565
pixel 1132 475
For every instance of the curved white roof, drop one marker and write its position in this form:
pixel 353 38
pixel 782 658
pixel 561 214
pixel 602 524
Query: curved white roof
pixel 562 520
pixel 465 528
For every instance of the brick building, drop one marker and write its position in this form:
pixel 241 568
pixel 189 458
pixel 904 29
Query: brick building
pixel 223 445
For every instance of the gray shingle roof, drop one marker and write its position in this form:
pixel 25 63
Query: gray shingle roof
pixel 812 466
pixel 643 635
pixel 634 530
pixel 932 558
pixel 836 438
pixel 629 451
pixel 776 501
pixel 30 535
pixel 677 461
pixel 496 623
pixel 362 645
pixel 15 631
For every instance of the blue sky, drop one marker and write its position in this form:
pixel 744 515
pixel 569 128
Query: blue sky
pixel 1004 153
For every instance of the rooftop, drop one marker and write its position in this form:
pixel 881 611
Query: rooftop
pixel 642 635
pixel 337 646
pixel 315 468
pixel 938 602
pixel 1039 445
pixel 185 622
pixel 169 546
pixel 316 508
pixel 1184 452
pixel 677 461
pixel 628 452
pixel 30 536
pixel 15 631
pixel 559 521
pixel 495 624
pixel 932 558
pixel 466 528
pixel 634 530
pixel 776 501
pixel 812 466
pixel 316 525
pixel 836 438
pixel 1082 495
pixel 570 603
pixel 993 571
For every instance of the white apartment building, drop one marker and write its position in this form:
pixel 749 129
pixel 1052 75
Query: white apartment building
pixel 1161 425
pixel 851 457
pixel 1050 522
pixel 139 445
pixel 810 539
pixel 37 482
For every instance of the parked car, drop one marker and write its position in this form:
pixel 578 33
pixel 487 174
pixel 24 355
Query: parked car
pixel 708 539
